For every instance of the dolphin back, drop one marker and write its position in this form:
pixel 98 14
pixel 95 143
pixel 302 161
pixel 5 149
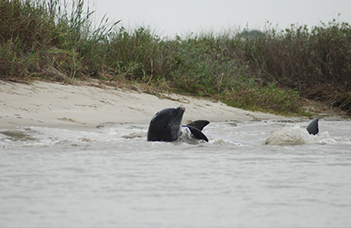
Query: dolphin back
pixel 196 128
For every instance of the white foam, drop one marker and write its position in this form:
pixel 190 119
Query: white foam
pixel 289 136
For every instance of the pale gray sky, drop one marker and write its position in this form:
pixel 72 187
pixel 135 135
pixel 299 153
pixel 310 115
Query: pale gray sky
pixel 171 17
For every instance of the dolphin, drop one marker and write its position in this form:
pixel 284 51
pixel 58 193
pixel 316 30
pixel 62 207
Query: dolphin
pixel 166 126
pixel 312 127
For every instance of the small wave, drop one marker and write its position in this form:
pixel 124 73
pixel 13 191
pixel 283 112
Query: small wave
pixel 226 142
pixel 44 137
pixel 135 135
pixel 289 136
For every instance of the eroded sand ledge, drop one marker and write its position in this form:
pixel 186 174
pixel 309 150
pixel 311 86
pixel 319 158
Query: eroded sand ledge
pixel 67 106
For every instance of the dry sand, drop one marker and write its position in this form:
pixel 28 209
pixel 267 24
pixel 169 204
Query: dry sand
pixel 67 106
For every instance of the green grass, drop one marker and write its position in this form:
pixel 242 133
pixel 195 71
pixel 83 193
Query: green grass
pixel 268 71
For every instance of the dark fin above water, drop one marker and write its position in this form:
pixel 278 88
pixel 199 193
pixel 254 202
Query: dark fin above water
pixel 196 128
pixel 312 128
pixel 197 133
pixel 198 124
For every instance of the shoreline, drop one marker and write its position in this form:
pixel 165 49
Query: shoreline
pixel 57 105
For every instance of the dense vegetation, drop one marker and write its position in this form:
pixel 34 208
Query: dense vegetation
pixel 271 71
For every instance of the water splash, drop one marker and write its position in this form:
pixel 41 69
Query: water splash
pixel 290 136
pixel 220 134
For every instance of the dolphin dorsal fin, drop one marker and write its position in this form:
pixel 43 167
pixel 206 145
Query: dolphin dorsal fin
pixel 312 128
pixel 197 133
pixel 196 128
pixel 198 124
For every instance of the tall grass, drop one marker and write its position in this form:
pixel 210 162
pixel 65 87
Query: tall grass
pixel 39 40
pixel 269 71
pixel 315 62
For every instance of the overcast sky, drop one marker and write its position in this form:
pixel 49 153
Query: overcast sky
pixel 171 17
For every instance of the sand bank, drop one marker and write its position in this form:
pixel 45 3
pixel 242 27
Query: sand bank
pixel 63 106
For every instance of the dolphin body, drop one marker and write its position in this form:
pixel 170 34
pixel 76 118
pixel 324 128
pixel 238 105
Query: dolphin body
pixel 166 126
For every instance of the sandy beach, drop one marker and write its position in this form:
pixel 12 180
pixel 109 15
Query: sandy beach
pixel 69 106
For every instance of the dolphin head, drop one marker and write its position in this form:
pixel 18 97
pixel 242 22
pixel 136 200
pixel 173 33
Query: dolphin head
pixel 165 125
